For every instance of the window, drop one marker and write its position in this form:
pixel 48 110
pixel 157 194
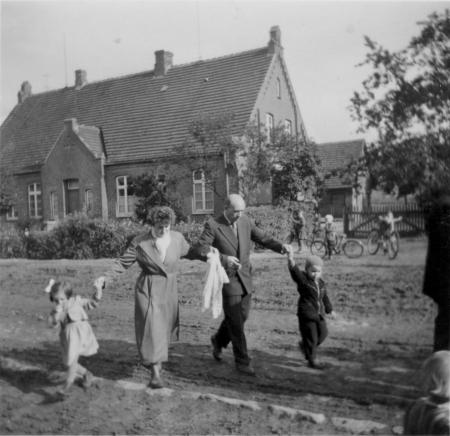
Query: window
pixel 72 196
pixel 278 88
pixel 288 127
pixel 53 205
pixel 125 199
pixel 269 126
pixel 88 200
pixel 12 214
pixel 203 201
pixel 34 200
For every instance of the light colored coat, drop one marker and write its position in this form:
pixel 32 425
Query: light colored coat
pixel 156 295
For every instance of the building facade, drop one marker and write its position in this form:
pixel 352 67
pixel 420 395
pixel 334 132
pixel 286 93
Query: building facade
pixel 76 149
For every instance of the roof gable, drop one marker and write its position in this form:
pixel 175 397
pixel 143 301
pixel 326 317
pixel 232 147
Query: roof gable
pixel 141 116
pixel 335 155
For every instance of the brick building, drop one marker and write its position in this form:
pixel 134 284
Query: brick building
pixel 75 149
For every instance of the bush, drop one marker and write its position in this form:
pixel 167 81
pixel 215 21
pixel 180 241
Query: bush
pixel 272 220
pixel 191 231
pixel 76 237
pixel 11 244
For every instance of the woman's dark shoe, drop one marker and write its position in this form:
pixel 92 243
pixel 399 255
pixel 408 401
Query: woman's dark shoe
pixel 156 381
pixel 315 365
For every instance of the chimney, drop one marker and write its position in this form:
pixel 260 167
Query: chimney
pixel 71 125
pixel 274 45
pixel 80 78
pixel 24 92
pixel 163 62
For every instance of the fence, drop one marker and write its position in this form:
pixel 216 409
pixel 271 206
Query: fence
pixel 358 223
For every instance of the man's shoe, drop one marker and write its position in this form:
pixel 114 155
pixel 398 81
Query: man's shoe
pixel 156 383
pixel 245 369
pixel 217 351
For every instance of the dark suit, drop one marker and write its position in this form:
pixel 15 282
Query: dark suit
pixel 236 295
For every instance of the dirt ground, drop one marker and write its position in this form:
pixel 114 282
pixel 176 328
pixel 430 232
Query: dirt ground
pixel 382 333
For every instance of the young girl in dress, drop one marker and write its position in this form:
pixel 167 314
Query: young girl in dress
pixel 76 335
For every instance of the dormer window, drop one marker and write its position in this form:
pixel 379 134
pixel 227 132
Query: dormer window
pixel 278 88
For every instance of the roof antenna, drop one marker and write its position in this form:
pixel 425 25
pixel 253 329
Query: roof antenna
pixel 198 32
pixel 65 58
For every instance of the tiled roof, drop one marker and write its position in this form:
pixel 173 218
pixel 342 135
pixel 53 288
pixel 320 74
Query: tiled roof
pixel 91 138
pixel 334 155
pixel 141 116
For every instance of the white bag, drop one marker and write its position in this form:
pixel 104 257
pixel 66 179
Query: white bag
pixel 214 280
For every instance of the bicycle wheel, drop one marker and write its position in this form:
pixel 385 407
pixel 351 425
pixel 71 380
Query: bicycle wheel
pixel 373 242
pixel 393 245
pixel 353 248
pixel 318 248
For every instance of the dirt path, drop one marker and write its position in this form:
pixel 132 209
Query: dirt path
pixel 382 334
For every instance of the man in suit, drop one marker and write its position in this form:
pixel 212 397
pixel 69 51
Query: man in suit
pixel 231 233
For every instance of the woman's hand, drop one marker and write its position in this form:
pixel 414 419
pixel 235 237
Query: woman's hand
pixel 99 285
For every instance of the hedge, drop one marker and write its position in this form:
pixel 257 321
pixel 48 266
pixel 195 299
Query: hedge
pixel 80 237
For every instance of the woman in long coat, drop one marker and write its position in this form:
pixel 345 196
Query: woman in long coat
pixel 156 297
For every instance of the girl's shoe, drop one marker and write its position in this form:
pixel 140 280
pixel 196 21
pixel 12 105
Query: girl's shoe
pixel 87 380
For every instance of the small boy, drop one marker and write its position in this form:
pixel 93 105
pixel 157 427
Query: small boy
pixel 330 236
pixel 313 304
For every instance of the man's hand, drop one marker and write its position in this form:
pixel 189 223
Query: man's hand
pixel 233 263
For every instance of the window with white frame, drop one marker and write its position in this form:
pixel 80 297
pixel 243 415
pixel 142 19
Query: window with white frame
pixel 34 200
pixel 88 200
pixel 288 127
pixel 203 201
pixel 125 200
pixel 278 88
pixel 269 126
pixel 11 214
pixel 53 205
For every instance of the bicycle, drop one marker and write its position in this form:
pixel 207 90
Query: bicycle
pixel 375 241
pixel 352 248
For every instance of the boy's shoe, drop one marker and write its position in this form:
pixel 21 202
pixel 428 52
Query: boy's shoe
pixel 217 351
pixel 245 369
pixel 87 380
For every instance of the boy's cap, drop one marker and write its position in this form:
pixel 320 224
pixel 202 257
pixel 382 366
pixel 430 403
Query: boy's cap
pixel 313 261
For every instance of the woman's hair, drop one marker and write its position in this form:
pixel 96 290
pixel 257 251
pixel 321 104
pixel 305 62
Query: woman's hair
pixel 436 374
pixel 57 287
pixel 160 214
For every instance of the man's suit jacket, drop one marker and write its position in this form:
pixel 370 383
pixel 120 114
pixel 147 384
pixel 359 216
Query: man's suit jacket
pixel 219 234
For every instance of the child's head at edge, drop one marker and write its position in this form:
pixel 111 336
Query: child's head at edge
pixel 436 374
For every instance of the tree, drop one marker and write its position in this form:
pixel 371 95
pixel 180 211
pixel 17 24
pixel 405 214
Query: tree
pixel 290 163
pixel 406 101
pixel 405 105
pixel 150 193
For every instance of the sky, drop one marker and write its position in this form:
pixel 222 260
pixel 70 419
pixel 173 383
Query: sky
pixel 44 42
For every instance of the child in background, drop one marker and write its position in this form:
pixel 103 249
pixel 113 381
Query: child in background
pixel 313 304
pixel 76 335
pixel 330 236
pixel 430 415
pixel 387 227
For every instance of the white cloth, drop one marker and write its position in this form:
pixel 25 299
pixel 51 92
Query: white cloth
pixel 214 280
